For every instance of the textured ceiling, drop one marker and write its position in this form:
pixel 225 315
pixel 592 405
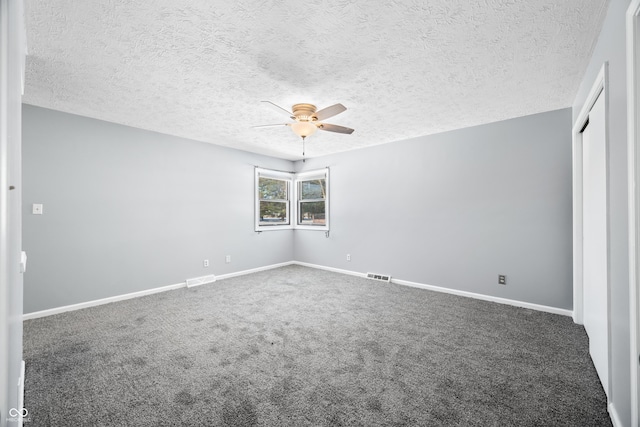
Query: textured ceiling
pixel 403 68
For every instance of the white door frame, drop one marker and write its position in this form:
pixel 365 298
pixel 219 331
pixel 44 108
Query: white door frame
pixel 5 392
pixel 12 51
pixel 633 152
pixel 599 88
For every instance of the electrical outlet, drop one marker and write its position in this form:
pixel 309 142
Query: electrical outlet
pixel 228 259
pixel 205 263
pixel 502 279
pixel 348 257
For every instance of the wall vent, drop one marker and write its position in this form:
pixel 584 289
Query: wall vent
pixel 197 281
pixel 381 277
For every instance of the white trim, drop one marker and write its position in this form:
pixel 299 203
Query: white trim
pixel 6 391
pixel 272 173
pixel 292 180
pixel 335 270
pixel 23 42
pixel 315 173
pixel 12 57
pixel 576 148
pixel 288 177
pixel 93 303
pixel 599 88
pixel 633 170
pixel 302 176
pixel 21 395
pixel 522 304
pixel 613 414
pixel 253 270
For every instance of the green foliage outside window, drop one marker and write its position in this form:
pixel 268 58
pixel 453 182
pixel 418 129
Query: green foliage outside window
pixel 273 201
pixel 272 189
pixel 312 194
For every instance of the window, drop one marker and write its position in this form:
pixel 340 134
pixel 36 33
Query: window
pixel 312 200
pixel 274 207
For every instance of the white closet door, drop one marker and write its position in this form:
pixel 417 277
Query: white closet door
pixel 596 295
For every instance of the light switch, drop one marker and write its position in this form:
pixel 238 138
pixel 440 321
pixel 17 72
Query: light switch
pixel 37 209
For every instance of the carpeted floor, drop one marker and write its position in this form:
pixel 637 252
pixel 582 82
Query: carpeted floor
pixel 302 347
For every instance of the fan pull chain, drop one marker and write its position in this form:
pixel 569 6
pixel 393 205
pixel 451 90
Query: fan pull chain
pixel 303 150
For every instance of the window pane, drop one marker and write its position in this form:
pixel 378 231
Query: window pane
pixel 272 189
pixel 312 213
pixel 313 189
pixel 273 213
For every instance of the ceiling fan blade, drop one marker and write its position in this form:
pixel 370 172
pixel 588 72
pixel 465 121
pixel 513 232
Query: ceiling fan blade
pixel 279 108
pixel 334 110
pixel 270 126
pixel 335 128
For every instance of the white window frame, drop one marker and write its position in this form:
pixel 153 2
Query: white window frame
pixel 292 180
pixel 306 176
pixel 272 174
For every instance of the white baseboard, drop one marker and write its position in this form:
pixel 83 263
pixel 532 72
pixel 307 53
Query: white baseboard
pixel 253 270
pixel 197 281
pixel 483 297
pixel 575 319
pixel 52 311
pixel 335 270
pixel 613 414
pixel 73 307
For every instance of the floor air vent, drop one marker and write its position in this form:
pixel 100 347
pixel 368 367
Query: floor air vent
pixel 196 281
pixel 381 277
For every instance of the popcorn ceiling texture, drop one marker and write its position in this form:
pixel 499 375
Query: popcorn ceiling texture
pixel 403 68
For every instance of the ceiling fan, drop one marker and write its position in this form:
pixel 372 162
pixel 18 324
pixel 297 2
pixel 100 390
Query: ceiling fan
pixel 307 120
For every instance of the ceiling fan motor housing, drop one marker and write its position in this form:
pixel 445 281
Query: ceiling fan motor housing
pixel 304 112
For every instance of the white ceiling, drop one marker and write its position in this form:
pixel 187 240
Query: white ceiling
pixel 403 68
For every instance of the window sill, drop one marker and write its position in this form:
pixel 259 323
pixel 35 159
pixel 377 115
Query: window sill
pixel 312 227
pixel 274 228
pixel 288 227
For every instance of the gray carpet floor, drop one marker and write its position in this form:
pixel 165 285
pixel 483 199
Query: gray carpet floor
pixel 302 347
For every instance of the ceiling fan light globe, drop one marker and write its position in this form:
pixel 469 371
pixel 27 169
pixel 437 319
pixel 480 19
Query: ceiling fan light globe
pixel 304 129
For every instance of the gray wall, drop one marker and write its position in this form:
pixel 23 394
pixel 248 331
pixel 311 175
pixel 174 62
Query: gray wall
pixel 456 209
pixel 611 47
pixel 127 210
